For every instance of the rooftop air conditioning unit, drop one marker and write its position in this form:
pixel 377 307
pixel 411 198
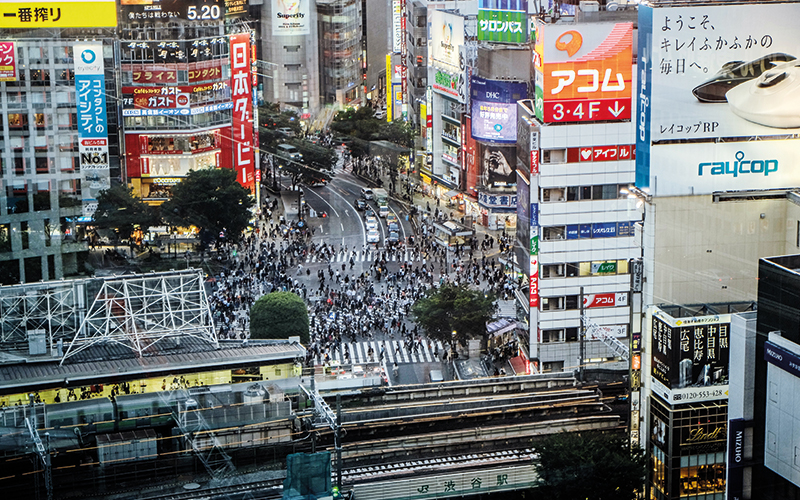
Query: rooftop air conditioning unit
pixel 590 6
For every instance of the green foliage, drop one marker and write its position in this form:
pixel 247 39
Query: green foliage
pixel 591 465
pixel 119 209
pixel 212 200
pixel 361 124
pixel 316 157
pixel 279 315
pixel 454 308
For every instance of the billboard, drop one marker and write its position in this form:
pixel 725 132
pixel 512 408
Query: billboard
pixel 689 356
pixel 290 17
pixel 583 72
pixel 494 109
pixel 447 34
pixel 710 73
pixel 397 25
pixel 497 164
pixel 60 14
pixel 90 97
pixel 169 10
pixel 8 61
pixel 243 158
pixel 505 22
pixel 450 83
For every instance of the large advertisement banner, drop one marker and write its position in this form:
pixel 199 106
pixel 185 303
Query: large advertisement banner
pixel 397 28
pixel 8 62
pixel 497 165
pixel 58 14
pixel 90 96
pixel 702 168
pixel 690 356
pixel 494 109
pixel 290 17
pixel 243 160
pixel 451 84
pixel 447 34
pixel 583 72
pixel 168 10
pixel 503 21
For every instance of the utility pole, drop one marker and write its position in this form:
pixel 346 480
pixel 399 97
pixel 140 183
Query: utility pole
pixel 582 339
pixel 338 443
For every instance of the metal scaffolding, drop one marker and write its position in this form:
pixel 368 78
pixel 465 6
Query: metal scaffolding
pixel 139 311
pixel 55 306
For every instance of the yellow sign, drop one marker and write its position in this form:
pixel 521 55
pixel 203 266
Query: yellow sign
pixel 64 14
pixel 389 113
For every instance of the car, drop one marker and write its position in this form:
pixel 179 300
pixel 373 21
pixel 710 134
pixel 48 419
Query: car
pixel 360 204
pixel 393 238
pixel 286 132
pixel 289 151
pixel 366 193
pixel 391 217
pixel 373 236
pixel 372 223
pixel 369 212
pixel 380 114
pixel 316 182
pixel 393 226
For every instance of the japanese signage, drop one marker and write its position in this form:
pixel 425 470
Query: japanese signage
pixel 447 35
pixel 583 72
pixel 601 153
pixel 290 17
pixel 451 84
pixel 703 168
pixel 60 14
pixel 497 165
pixel 505 22
pixel 690 355
pixel 168 10
pixel 90 96
pixel 709 72
pixel 169 97
pixel 397 29
pixel 8 62
pixel 235 7
pixel 497 201
pixel 600 230
pixel 182 111
pixel 604 267
pixel 389 114
pixel 605 300
pixel 534 282
pixel 243 161
pixel 494 109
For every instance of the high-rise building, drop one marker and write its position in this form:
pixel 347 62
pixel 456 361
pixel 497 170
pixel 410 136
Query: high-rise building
pixel 58 144
pixel 340 71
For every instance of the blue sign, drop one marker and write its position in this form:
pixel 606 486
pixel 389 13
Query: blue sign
pixel 782 358
pixel 624 228
pixel 604 230
pixel 586 230
pixel 534 214
pixel 90 96
pixel 644 84
pixel 572 232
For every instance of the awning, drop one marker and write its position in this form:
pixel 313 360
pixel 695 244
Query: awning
pixel 452 194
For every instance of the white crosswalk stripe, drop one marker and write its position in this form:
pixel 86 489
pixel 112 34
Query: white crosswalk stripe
pixel 394 351
pixel 363 256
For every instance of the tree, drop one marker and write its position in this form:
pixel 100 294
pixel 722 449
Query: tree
pixel 119 209
pixel 452 308
pixel 212 200
pixel 279 315
pixel 589 465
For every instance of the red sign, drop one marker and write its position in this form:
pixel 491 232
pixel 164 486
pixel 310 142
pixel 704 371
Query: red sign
pixel 534 281
pixel 94 142
pixel 587 111
pixel 605 300
pixel 156 74
pixel 535 162
pixel 8 62
pixel 204 71
pixel 586 71
pixel 600 153
pixel 243 158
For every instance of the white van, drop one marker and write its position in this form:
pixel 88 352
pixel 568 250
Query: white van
pixel 289 151
pixel 366 193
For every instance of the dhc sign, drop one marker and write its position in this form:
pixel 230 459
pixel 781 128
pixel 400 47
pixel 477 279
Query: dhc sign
pixel 740 166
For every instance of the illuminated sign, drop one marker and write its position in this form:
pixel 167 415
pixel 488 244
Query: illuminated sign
pixel 507 25
pixel 583 72
pixel 60 14
pixel 494 109
pixel 168 10
pixel 397 31
pixel 290 17
pixel 534 282
pixel 235 7
pixel 243 158
pixel 198 110
pixel 498 165
pixel 8 62
pixel 450 84
pixel 601 153
pixel 605 300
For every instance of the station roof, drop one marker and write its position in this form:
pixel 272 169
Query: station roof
pixel 113 363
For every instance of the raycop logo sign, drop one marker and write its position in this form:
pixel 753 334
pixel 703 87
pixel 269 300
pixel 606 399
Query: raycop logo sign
pixel 738 167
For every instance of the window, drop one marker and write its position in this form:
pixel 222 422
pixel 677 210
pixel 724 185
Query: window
pixel 554 233
pixel 571 302
pixel 5 238
pixel 551 336
pixel 554 155
pixel 552 303
pixel 553 366
pixel 572 270
pixel 572 335
pixel 25 234
pixel 553 271
pixel 553 194
pixel 573 193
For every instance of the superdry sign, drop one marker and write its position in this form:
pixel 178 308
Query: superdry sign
pixel 585 72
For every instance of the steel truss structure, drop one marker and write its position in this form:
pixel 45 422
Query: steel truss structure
pixel 138 311
pixel 55 306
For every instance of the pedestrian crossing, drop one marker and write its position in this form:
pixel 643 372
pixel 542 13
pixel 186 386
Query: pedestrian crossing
pixel 364 256
pixel 393 352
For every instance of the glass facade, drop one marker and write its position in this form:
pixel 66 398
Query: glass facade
pixel 340 51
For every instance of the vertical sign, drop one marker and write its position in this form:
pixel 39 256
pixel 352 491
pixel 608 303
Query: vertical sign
pixel 397 31
pixel 389 98
pixel 90 96
pixel 8 62
pixel 242 109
